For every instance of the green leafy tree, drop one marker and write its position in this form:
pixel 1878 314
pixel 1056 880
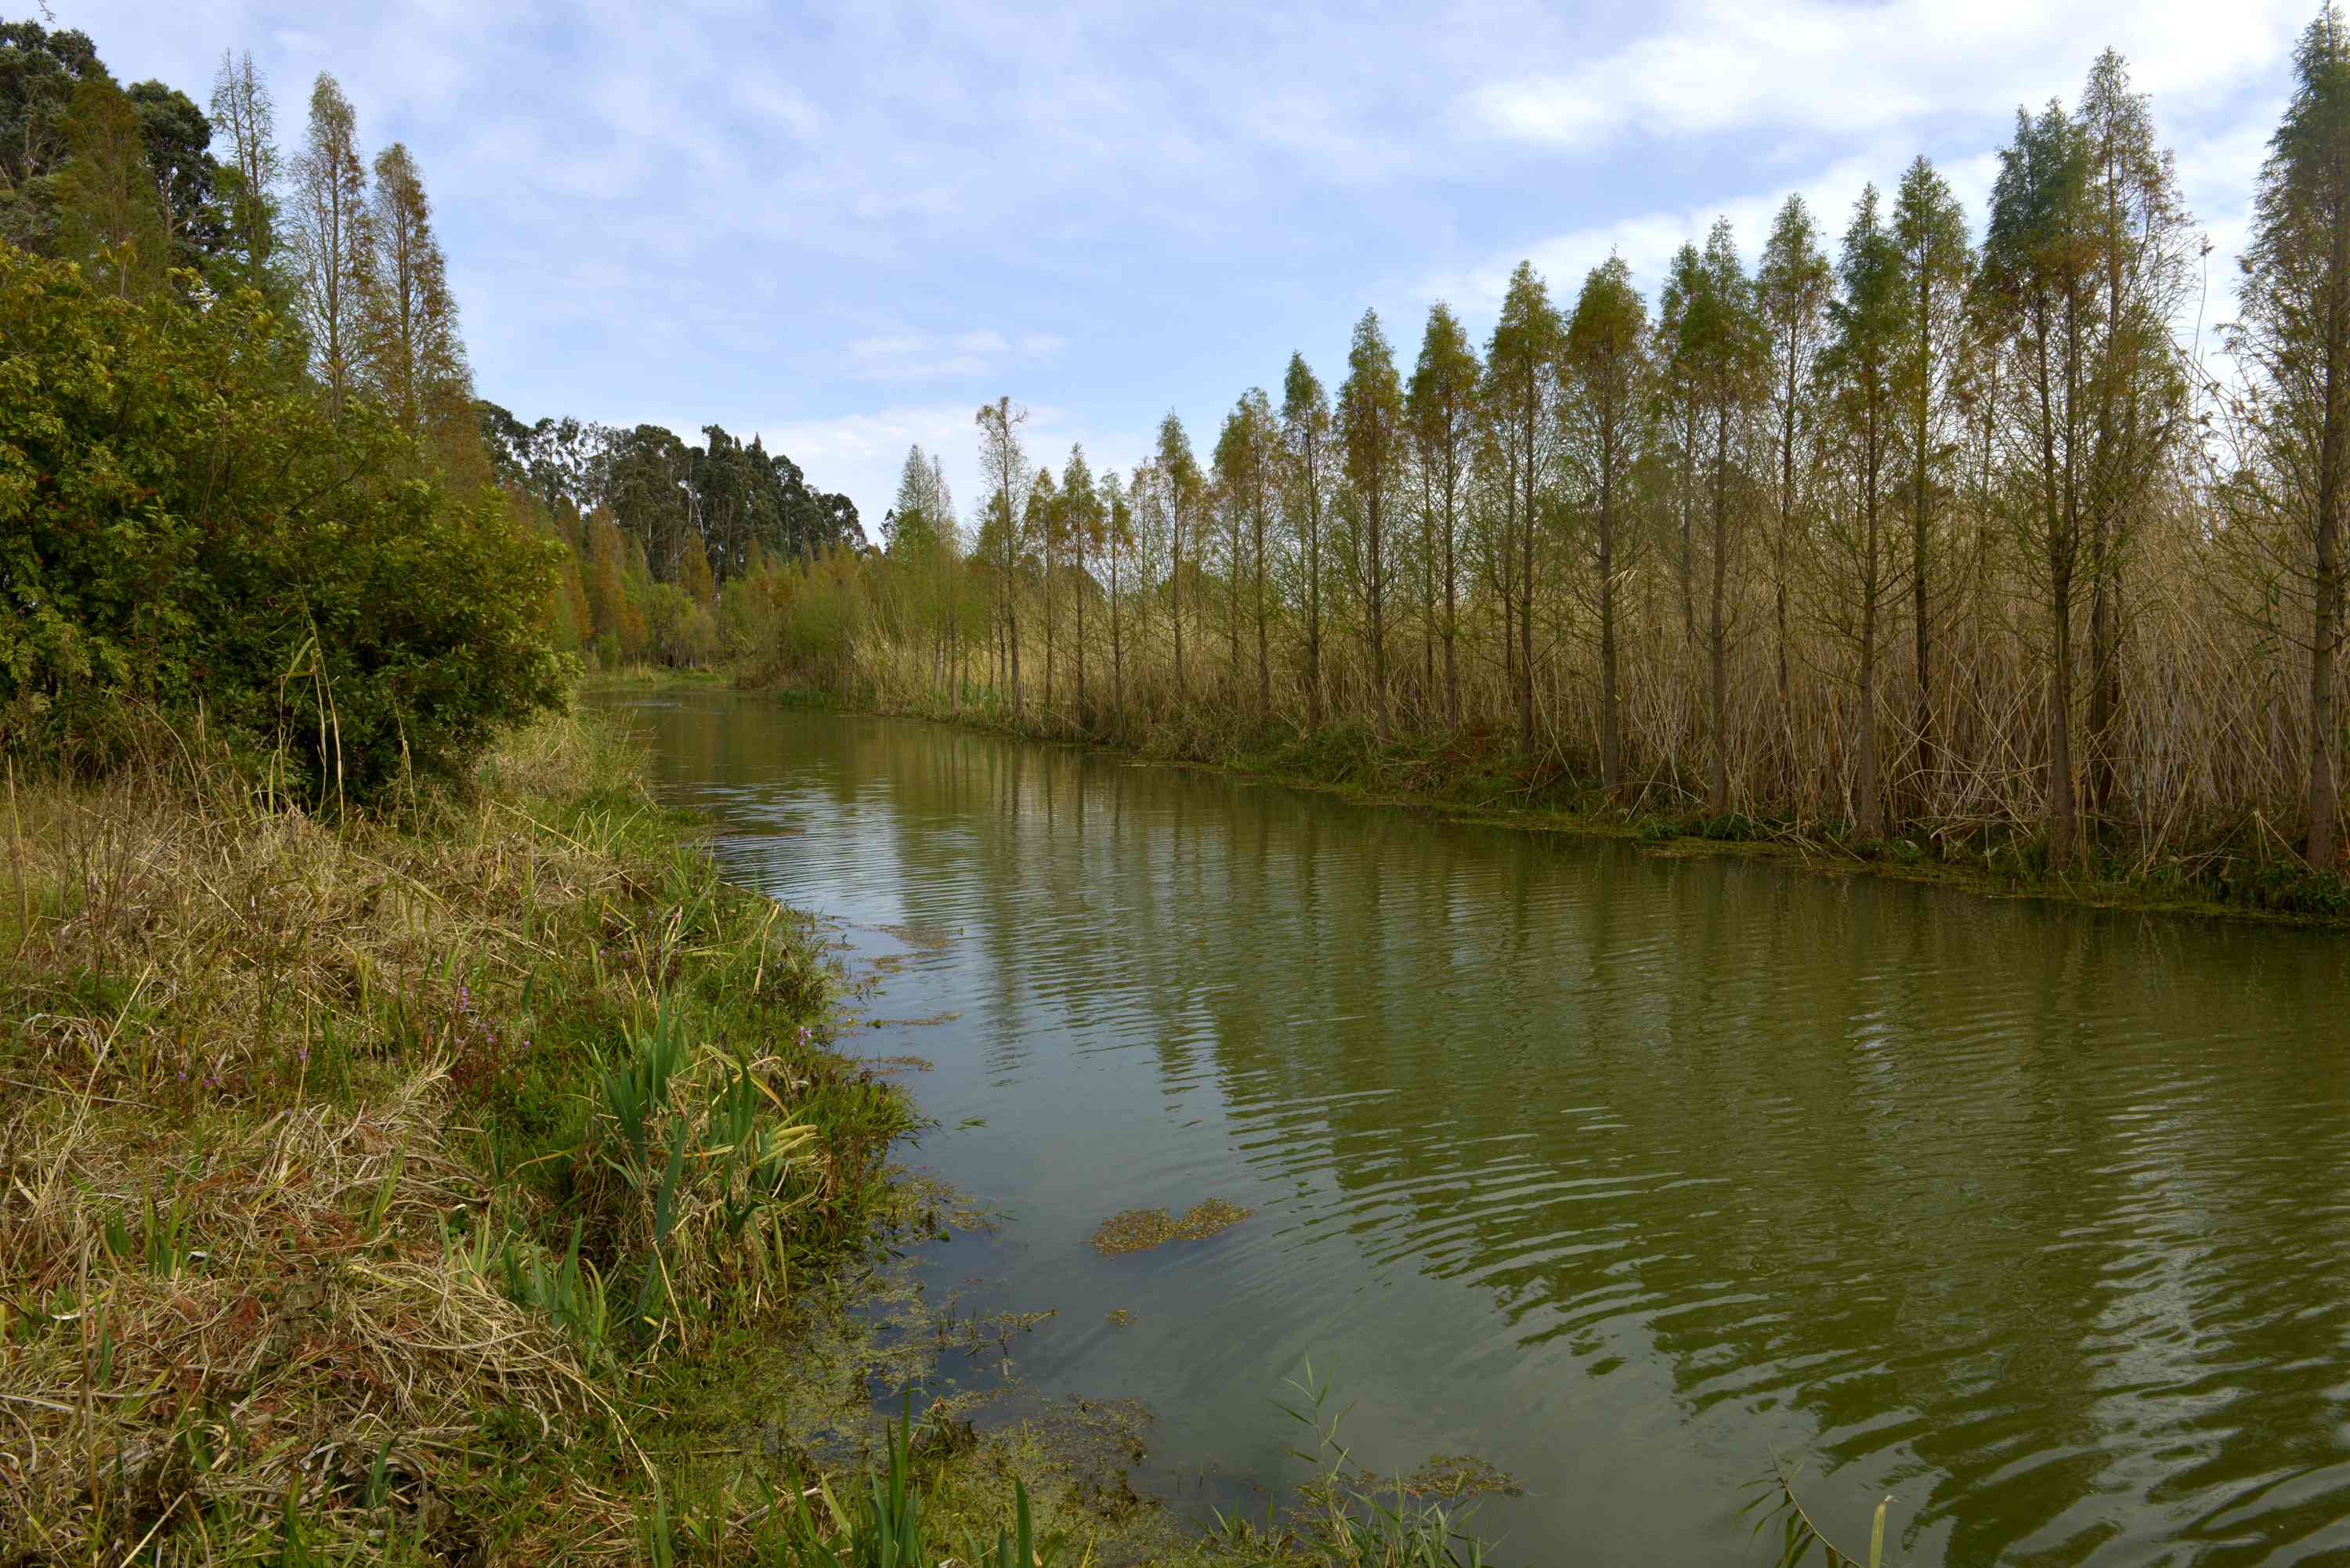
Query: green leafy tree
pixel 111 218
pixel 184 525
pixel 39 68
pixel 179 161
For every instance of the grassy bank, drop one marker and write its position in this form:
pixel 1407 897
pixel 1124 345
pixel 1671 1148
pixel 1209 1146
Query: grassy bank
pixel 476 1182
pixel 1474 778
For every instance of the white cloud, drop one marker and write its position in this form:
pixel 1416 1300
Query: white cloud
pixel 922 356
pixel 1720 66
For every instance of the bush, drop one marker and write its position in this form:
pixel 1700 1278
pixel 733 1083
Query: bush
pixel 185 526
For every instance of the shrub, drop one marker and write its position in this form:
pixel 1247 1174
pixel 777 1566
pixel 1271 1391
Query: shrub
pixel 185 525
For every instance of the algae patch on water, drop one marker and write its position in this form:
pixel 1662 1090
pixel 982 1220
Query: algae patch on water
pixel 1139 1230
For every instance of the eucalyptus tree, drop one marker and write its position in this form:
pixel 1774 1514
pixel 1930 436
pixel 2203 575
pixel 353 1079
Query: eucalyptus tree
pixel 1441 404
pixel 1602 372
pixel 1375 438
pixel 1521 396
pixel 331 236
pixel 1793 285
pixel 1859 369
pixel 2292 337
pixel 1003 466
pixel 2038 289
pixel 2146 250
pixel 1306 431
pixel 1929 228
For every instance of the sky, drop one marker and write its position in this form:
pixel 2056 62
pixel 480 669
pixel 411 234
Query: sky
pixel 845 227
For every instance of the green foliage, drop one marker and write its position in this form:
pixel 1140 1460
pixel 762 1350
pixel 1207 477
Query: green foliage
pixel 184 528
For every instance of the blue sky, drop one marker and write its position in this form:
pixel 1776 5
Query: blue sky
pixel 845 229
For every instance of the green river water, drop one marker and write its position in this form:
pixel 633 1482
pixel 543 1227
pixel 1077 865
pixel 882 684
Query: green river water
pixel 1625 1174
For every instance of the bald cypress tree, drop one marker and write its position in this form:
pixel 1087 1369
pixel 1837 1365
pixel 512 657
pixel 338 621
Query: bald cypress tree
pixel 2293 338
pixel 1371 434
pixel 1606 366
pixel 414 361
pixel 1442 406
pixel 1930 231
pixel 1306 430
pixel 244 113
pixel 1791 288
pixel 1521 399
pixel 331 236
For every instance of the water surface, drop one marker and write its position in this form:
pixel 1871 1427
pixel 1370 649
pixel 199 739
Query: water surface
pixel 1622 1173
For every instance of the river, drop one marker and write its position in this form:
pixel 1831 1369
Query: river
pixel 1626 1174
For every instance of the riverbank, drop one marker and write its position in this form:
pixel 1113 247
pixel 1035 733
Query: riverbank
pixel 1478 784
pixel 476 1182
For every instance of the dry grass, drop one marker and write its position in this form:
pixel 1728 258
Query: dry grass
pixel 299 1128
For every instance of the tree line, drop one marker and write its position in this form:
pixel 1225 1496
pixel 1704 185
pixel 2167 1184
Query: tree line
pixel 673 547
pixel 1913 531
pixel 243 472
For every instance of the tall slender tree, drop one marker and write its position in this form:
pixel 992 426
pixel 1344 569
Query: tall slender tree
pixel 1003 466
pixel 1444 412
pixel 2293 338
pixel 331 235
pixel 1373 435
pixel 1180 471
pixel 1306 429
pixel 2146 248
pixel 1859 367
pixel 2038 286
pixel 1724 347
pixel 1792 284
pixel 414 358
pixel 1930 230
pixel 244 112
pixel 1081 528
pixel 1604 369
pixel 1521 397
